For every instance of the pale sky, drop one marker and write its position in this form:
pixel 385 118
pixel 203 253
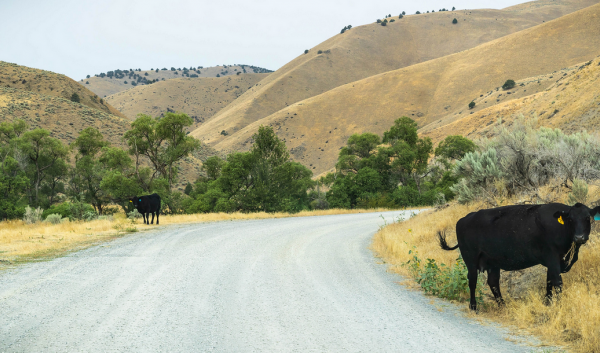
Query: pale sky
pixel 81 37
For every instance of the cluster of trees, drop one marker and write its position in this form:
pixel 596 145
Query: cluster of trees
pixel 399 169
pixel 395 171
pixel 38 170
pixel 263 179
pixel 346 28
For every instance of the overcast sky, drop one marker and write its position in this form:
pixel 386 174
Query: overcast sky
pixel 80 37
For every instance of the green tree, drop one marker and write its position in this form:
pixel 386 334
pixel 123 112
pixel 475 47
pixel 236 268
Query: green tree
pixel 472 105
pixel 75 98
pixel 509 84
pixel 40 152
pixel 454 21
pixel 454 147
pixel 163 141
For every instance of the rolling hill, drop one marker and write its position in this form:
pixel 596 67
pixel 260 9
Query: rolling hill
pixel 373 49
pixel 50 84
pixel 437 90
pixel 111 82
pixel 200 97
pixel 571 103
pixel 41 102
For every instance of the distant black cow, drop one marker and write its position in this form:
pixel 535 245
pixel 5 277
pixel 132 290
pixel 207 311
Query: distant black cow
pixel 517 237
pixel 146 205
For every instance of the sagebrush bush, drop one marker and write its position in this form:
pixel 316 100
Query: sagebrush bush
pixel 521 159
pixel 32 215
pixel 54 218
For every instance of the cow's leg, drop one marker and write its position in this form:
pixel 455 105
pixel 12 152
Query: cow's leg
pixel 494 283
pixel 553 281
pixel 146 218
pixel 472 276
pixel 152 218
pixel 157 213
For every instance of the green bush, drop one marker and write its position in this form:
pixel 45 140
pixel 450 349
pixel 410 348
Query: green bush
pixel 448 282
pixel 471 105
pixel 75 98
pixel 454 21
pixel 54 218
pixel 509 84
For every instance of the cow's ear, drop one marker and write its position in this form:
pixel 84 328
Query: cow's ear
pixel 596 213
pixel 559 214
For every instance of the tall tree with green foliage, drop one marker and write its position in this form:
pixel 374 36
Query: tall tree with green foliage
pixel 163 141
pixel 40 152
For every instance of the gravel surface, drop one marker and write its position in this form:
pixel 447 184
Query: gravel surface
pixel 278 285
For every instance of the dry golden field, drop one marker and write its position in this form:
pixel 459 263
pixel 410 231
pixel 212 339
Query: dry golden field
pixel 20 242
pixel 572 322
pixel 315 128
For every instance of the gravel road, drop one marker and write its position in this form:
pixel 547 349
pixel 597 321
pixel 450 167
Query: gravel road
pixel 278 285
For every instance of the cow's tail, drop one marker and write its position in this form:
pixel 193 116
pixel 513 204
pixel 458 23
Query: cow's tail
pixel 443 243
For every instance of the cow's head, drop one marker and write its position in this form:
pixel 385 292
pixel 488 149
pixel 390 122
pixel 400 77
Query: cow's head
pixel 135 201
pixel 577 220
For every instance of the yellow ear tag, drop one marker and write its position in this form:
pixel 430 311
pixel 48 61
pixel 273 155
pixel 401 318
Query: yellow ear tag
pixel 560 220
pixel 130 201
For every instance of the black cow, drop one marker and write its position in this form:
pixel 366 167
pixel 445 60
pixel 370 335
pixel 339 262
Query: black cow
pixel 146 205
pixel 517 237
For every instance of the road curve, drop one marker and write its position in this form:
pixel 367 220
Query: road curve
pixel 278 285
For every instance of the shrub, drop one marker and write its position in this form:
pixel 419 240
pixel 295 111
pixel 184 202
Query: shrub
pixel 320 52
pixel 471 105
pixel 401 15
pixel 454 21
pixel 418 13
pixel 453 8
pixel 448 282
pixel 392 20
pixel 306 51
pixel 224 133
pixel 319 204
pixel 133 215
pixel 32 215
pixel 378 21
pixel 87 82
pixel 54 218
pixel 579 192
pixel 75 98
pixel 509 84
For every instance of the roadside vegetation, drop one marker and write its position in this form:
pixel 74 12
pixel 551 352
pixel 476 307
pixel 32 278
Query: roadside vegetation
pixel 520 165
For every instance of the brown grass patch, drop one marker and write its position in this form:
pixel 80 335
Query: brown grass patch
pixel 573 321
pixel 20 242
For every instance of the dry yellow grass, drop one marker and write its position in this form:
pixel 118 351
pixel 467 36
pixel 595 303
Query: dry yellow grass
pixel 571 103
pixel 314 129
pixel 21 242
pixel 573 321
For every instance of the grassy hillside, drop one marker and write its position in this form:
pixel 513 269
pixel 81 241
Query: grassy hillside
pixel 200 98
pixel 373 49
pixel 63 118
pixel 50 84
pixel 571 103
pixel 120 80
pixel 316 128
